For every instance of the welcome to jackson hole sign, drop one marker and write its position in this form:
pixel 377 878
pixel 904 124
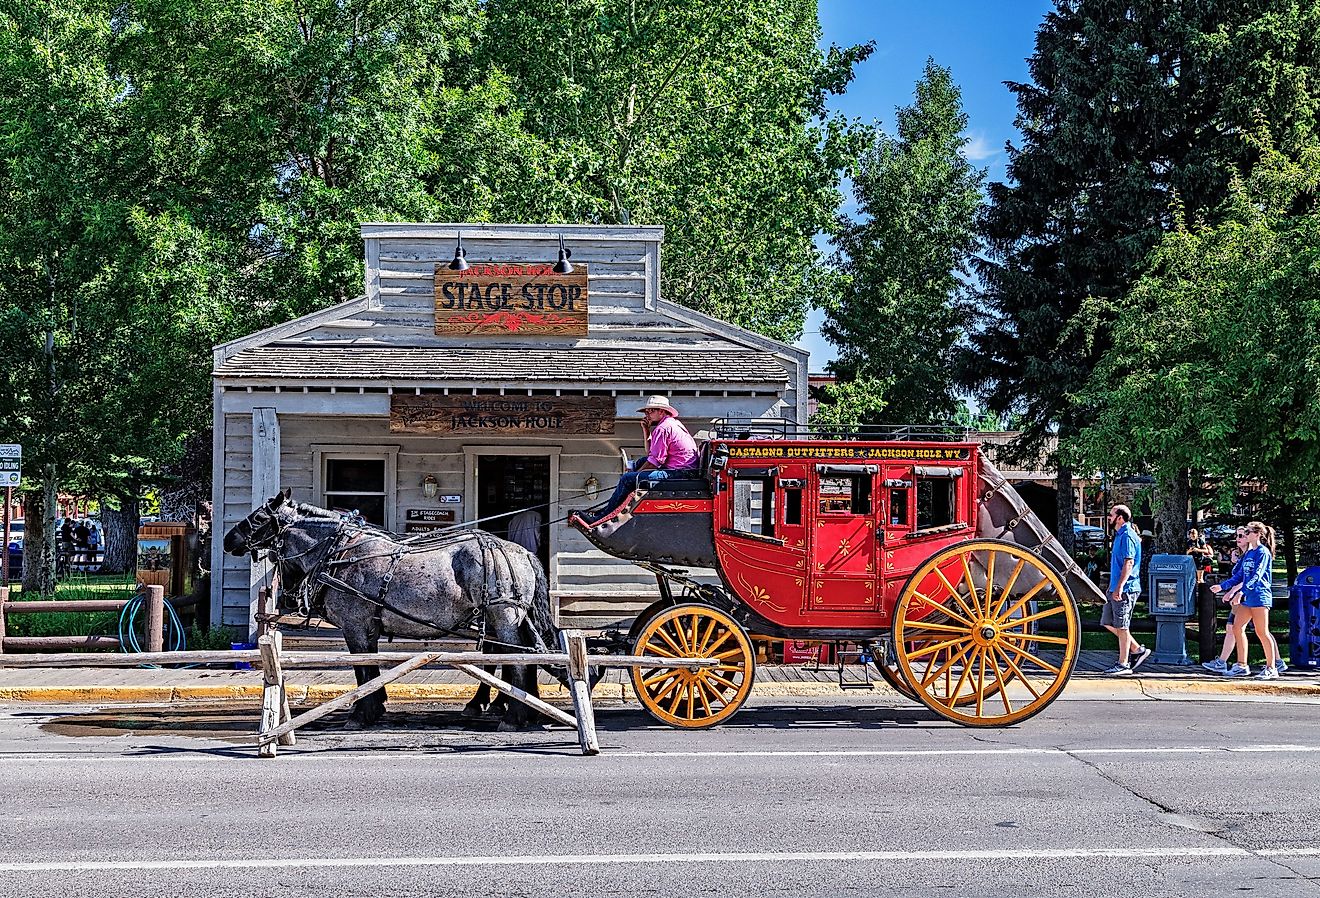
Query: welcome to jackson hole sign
pixel 507 298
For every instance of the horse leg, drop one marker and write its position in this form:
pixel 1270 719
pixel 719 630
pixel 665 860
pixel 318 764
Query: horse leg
pixel 369 709
pixel 480 703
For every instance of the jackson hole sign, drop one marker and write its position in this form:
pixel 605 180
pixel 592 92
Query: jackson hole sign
pixel 528 415
pixel 504 298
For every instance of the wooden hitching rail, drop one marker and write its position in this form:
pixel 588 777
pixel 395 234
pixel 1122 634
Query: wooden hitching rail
pixel 278 723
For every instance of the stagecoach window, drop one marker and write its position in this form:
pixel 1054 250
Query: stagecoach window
pixel 936 502
pixel 845 494
pixel 793 506
pixel 898 508
pixel 754 506
pixel 356 484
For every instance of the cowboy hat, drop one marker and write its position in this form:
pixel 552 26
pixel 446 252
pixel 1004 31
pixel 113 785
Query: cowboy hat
pixel 660 402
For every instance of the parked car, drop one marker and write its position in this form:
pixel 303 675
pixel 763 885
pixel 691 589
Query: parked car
pixel 1086 537
pixel 15 549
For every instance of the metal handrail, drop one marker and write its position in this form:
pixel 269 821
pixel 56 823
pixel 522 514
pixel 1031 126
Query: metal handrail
pixel 779 429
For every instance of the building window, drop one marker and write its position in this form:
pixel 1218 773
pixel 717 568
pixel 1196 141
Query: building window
pixel 351 478
pixel 356 484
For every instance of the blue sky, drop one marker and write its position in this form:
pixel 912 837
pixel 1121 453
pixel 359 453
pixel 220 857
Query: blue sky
pixel 983 43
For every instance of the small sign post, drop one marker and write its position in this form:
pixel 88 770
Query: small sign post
pixel 11 472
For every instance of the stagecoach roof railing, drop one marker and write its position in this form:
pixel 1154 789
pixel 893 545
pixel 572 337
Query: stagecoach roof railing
pixel 779 429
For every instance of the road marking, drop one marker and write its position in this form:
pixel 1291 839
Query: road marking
pixel 513 748
pixel 944 752
pixel 1171 852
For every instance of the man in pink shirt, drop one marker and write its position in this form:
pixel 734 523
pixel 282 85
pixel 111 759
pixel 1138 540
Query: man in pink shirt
pixel 671 451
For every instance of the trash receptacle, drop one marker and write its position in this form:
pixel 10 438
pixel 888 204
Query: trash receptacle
pixel 1304 620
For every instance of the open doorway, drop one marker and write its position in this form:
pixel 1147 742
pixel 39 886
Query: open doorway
pixel 516 483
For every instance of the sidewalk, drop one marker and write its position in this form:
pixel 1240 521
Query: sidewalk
pixel 308 687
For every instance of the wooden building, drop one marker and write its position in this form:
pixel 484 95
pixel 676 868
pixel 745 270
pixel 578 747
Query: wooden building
pixel 440 396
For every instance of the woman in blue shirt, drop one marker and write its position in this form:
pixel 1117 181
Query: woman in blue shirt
pixel 1255 576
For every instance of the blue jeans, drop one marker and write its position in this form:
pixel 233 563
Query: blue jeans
pixel 628 482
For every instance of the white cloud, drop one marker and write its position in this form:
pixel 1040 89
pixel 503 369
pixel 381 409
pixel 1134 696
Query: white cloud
pixel 979 149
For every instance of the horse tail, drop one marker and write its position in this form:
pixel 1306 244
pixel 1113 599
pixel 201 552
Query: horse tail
pixel 542 622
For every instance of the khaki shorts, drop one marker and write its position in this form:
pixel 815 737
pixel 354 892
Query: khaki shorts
pixel 1119 614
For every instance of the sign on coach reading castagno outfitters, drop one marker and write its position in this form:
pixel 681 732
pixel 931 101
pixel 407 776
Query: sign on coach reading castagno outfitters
pixel 531 415
pixel 510 298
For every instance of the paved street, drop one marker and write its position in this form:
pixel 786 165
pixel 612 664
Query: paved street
pixel 811 796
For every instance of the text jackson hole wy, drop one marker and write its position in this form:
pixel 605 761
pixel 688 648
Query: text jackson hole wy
pixel 527 414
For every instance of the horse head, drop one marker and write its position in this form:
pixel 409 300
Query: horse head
pixel 260 529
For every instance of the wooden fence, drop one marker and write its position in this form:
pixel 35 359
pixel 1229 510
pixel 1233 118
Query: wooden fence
pixel 155 604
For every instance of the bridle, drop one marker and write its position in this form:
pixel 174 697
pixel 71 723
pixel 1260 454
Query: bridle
pixel 264 534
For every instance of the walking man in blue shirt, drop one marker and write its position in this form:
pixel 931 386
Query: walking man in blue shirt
pixel 1124 588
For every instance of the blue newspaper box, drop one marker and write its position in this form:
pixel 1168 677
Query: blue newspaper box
pixel 1304 620
pixel 1171 591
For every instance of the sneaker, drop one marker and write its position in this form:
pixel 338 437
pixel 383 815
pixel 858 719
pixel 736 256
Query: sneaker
pixel 1119 670
pixel 1281 666
pixel 1215 665
pixel 1268 673
pixel 1140 658
pixel 1238 670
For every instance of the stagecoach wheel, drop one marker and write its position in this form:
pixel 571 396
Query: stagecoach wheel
pixel 698 697
pixel 891 674
pixel 967 640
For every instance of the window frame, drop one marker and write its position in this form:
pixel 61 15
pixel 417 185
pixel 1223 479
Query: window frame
pixel 324 453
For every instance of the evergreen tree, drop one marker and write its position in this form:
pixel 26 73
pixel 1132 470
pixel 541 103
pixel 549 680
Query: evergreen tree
pixel 898 315
pixel 1130 105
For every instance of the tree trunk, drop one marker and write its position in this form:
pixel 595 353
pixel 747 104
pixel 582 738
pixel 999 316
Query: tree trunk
pixel 39 507
pixel 1171 514
pixel 1288 531
pixel 1065 505
pixel 121 528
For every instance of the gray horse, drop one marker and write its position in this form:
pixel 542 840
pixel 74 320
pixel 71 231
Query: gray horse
pixel 370 584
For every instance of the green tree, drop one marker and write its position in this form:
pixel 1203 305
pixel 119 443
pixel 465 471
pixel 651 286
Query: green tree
pixel 62 139
pixel 1215 364
pixel 903 261
pixel 707 117
pixel 1129 105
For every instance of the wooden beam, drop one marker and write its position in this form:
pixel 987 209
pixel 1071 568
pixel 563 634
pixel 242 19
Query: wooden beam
pixel 155 618
pixel 56 643
pixel 78 605
pixel 514 692
pixel 579 684
pixel 265 484
pixel 274 697
pixel 349 697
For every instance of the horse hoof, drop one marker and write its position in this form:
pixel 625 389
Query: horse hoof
pixel 474 711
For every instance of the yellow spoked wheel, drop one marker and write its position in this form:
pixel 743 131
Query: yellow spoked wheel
pixel 986 633
pixel 892 674
pixel 698 697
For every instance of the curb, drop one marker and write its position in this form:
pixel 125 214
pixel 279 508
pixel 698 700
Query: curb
pixel 300 694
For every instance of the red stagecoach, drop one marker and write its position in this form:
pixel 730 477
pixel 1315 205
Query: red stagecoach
pixel 912 546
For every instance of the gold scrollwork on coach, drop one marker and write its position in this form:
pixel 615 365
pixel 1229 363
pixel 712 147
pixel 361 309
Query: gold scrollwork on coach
pixel 758 596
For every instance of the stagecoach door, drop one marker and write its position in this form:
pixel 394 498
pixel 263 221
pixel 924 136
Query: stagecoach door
pixel 514 483
pixel 844 544
pixel 900 554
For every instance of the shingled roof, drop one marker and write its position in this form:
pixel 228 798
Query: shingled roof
pixel 300 362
